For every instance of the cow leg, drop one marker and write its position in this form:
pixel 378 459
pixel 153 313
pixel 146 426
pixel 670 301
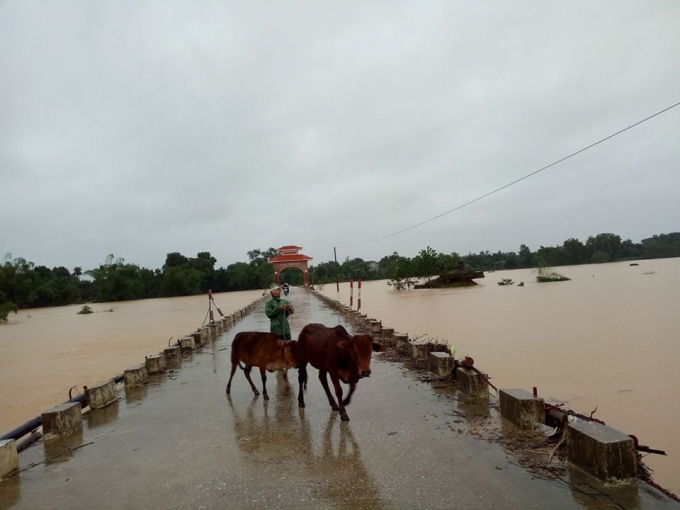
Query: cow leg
pixel 338 393
pixel 324 383
pixel 302 381
pixel 263 373
pixel 233 370
pixel 352 387
pixel 247 372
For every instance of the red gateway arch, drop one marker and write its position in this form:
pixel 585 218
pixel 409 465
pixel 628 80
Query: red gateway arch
pixel 289 256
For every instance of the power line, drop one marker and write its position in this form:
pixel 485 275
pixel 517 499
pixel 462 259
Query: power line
pixel 515 181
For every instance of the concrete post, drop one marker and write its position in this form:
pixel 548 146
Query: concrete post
pixel 473 383
pixel 520 408
pixel 602 451
pixel 61 420
pixel 135 376
pixel 387 335
pixel 172 353
pixel 213 330
pixel 187 343
pixel 155 364
pixel 417 349
pixel 101 395
pixel 401 340
pixel 197 338
pixel 9 458
pixel 441 364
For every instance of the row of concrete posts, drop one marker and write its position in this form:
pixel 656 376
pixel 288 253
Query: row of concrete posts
pixel 66 419
pixel 602 451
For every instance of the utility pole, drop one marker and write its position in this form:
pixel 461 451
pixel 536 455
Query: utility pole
pixel 337 284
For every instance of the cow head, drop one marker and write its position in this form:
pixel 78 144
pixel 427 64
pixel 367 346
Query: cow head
pixel 290 352
pixel 359 348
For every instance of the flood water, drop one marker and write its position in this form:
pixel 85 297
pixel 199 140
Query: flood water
pixel 609 339
pixel 46 351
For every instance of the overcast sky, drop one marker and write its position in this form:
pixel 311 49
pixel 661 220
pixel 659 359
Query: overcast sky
pixel 141 128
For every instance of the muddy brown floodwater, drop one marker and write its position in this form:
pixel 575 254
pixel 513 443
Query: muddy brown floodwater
pixel 606 340
pixel 46 351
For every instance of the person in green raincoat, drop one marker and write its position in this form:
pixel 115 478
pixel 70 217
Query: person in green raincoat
pixel 278 310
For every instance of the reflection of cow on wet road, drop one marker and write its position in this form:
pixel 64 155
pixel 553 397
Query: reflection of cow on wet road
pixel 263 350
pixel 335 352
pixel 322 461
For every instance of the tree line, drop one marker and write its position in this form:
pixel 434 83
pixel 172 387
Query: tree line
pixel 24 284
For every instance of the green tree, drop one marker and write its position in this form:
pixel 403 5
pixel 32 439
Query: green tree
pixel 175 259
pixel 525 257
pixel 400 267
pixel 181 281
pixel 607 243
pixel 574 252
pixel 204 263
pixel 447 262
pixel 117 281
pixel 5 309
pixel 425 263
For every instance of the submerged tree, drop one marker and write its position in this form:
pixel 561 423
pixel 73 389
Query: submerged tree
pixel 545 273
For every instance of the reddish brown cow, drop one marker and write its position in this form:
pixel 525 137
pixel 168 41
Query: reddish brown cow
pixel 335 352
pixel 264 350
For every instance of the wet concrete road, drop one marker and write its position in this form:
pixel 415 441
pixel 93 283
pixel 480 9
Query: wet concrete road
pixel 181 443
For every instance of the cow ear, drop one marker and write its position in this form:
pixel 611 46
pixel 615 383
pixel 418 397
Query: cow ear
pixel 378 347
pixel 343 344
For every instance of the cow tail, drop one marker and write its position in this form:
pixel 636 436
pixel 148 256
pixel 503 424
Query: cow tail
pixel 304 381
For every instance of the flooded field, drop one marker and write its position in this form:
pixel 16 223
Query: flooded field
pixel 606 340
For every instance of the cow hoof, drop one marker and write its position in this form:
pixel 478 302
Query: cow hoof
pixel 266 397
pixel 335 408
pixel 257 393
pixel 344 417
pixel 301 404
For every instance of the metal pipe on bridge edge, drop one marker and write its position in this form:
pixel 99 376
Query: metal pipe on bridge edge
pixel 36 422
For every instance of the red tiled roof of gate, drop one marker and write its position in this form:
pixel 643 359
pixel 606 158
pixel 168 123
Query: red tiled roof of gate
pixel 291 247
pixel 289 258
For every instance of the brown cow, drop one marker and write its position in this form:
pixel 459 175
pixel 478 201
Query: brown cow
pixel 264 350
pixel 334 351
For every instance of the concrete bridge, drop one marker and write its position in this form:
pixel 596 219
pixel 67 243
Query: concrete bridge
pixel 179 442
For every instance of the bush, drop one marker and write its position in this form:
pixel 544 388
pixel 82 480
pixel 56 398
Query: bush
pixel 5 310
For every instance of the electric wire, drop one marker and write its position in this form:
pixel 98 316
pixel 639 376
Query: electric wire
pixel 516 180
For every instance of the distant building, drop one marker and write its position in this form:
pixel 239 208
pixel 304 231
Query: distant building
pixel 373 266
